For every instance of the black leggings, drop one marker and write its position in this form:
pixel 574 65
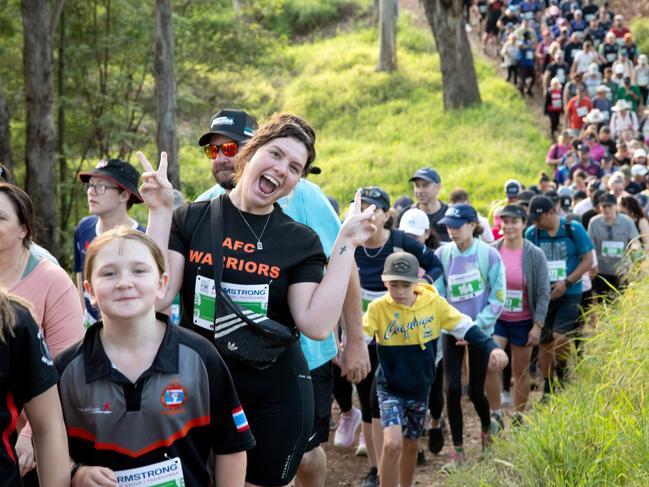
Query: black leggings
pixel 343 390
pixel 436 396
pixel 478 361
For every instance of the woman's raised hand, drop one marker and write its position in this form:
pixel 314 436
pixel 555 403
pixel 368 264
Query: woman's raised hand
pixel 358 225
pixel 156 190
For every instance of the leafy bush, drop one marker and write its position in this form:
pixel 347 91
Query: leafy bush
pixel 640 29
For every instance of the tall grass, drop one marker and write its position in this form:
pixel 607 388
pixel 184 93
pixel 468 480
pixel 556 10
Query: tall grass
pixel 596 431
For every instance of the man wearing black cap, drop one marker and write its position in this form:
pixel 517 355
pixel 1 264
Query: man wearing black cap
pixel 111 189
pixel 611 233
pixel 228 131
pixel 567 248
pixel 427 183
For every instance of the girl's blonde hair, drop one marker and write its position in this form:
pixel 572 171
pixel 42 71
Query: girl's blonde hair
pixel 8 313
pixel 122 233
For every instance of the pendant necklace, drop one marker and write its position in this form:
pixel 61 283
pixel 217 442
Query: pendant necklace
pixel 260 246
pixel 378 252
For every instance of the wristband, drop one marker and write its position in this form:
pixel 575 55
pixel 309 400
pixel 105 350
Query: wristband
pixel 74 469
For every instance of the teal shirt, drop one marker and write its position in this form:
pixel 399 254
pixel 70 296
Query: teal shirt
pixel 307 204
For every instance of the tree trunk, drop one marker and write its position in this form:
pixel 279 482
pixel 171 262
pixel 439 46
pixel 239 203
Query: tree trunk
pixel 387 36
pixel 5 142
pixel 459 78
pixel 165 88
pixel 40 141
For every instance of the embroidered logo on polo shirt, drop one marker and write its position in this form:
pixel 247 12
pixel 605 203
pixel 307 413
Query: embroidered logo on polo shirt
pixel 174 396
pixel 104 409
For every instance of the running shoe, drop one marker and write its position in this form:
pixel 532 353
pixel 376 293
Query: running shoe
pixel 518 420
pixel 372 478
pixel 506 399
pixel 435 440
pixel 486 440
pixel 347 426
pixel 456 459
pixel 421 457
pixel 361 449
pixel 497 424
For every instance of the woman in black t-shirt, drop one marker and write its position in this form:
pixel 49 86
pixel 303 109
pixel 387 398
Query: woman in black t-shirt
pixel 28 379
pixel 270 264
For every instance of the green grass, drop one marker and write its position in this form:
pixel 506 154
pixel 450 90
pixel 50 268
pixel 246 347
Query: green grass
pixel 378 128
pixel 594 432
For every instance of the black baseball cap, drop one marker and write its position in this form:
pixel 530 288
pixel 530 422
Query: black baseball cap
pixel 538 205
pixel 514 211
pixel 553 195
pixel 583 148
pixel 375 196
pixel 235 124
pixel 525 196
pixel 607 199
pixel 121 173
pixel 427 174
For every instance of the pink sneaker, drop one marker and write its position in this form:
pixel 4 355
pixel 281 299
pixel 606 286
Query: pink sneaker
pixel 347 426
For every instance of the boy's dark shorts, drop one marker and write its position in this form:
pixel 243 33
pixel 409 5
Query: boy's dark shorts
pixel 562 317
pixel 323 386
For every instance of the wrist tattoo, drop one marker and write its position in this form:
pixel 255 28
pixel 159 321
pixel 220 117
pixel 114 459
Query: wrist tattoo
pixel 343 249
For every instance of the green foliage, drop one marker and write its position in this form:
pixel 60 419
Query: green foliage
pixel 303 17
pixel 640 29
pixel 595 431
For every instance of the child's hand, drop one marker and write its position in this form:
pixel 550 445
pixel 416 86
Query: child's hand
pixel 498 359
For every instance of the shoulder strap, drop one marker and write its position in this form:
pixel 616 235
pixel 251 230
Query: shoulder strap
pixel 216 230
pixel 483 258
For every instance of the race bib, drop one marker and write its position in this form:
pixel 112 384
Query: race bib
pixel 251 297
pixel 369 296
pixel 582 111
pixel 612 249
pixel 557 270
pixel 611 56
pixel 556 103
pixel 514 301
pixel 605 114
pixel 529 55
pixel 465 286
pixel 642 79
pixel 561 75
pixel 482 9
pixel 164 474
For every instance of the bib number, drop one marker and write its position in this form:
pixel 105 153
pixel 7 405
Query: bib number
pixel 249 296
pixel 369 296
pixel 465 286
pixel 612 249
pixel 164 474
pixel 514 301
pixel 529 55
pixel 557 270
pixel 582 111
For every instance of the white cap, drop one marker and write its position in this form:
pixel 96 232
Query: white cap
pixel 415 222
pixel 639 170
pixel 619 68
pixel 640 153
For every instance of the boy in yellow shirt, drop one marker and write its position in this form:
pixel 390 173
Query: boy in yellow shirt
pixel 406 323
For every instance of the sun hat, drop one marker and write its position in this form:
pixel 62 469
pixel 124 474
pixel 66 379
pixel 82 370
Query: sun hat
pixel 594 116
pixel 639 170
pixel 621 105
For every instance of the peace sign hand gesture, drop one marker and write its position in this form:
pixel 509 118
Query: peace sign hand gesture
pixel 358 225
pixel 156 190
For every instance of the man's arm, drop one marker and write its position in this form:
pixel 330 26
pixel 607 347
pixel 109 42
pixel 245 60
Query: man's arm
pixel 355 360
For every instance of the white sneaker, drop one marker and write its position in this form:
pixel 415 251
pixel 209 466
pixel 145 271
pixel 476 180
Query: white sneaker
pixel 361 450
pixel 346 430
pixel 506 399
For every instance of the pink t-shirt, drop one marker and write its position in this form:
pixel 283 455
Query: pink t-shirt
pixel 516 307
pixel 55 305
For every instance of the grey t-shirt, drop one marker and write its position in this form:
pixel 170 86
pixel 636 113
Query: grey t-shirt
pixel 611 241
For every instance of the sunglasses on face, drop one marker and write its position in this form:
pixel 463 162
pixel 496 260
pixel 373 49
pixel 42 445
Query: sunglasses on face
pixel 98 189
pixel 228 149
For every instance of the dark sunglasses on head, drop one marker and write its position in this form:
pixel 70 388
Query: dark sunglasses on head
pixel 371 193
pixel 228 149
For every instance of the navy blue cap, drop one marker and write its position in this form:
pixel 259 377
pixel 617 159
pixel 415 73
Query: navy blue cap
pixel 376 196
pixel 608 199
pixel 538 205
pixel 458 215
pixel 427 174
